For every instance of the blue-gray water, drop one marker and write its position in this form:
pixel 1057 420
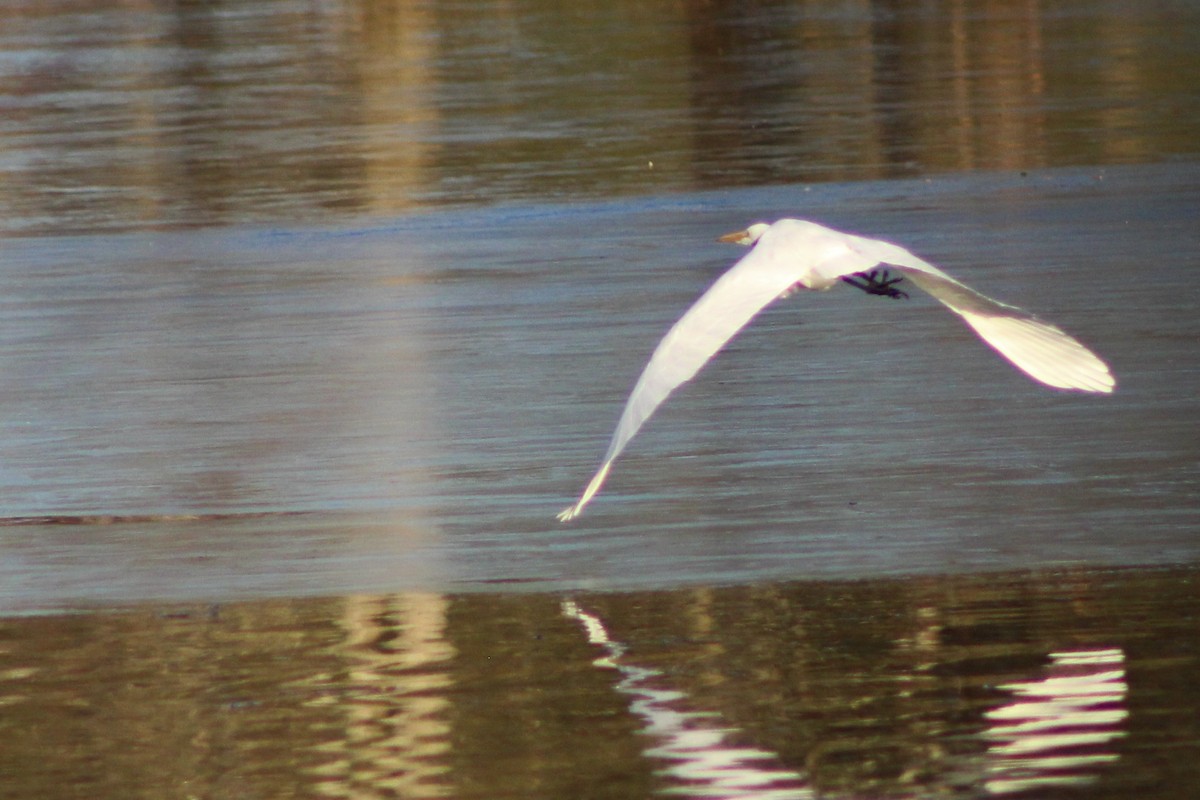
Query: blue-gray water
pixel 431 390
pixel 314 314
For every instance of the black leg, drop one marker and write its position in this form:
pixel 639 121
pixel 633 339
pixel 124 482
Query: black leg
pixel 877 282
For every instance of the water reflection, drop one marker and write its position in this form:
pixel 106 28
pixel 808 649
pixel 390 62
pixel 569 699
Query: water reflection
pixel 393 693
pixel 698 751
pixel 1061 727
pixel 134 115
pixel 1058 732
pixel 963 687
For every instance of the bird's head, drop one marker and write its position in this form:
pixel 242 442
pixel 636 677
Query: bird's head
pixel 748 236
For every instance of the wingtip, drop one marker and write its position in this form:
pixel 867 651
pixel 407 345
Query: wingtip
pixel 1102 382
pixel 1043 351
pixel 1093 378
pixel 571 512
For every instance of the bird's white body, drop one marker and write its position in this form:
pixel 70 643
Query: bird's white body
pixel 794 254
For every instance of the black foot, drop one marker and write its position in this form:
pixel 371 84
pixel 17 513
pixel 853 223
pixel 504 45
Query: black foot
pixel 877 281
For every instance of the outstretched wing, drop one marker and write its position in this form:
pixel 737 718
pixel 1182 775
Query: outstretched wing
pixel 794 251
pixel 772 267
pixel 1039 349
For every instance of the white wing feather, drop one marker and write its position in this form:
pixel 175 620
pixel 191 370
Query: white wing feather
pixel 1041 350
pixel 779 260
pixel 795 252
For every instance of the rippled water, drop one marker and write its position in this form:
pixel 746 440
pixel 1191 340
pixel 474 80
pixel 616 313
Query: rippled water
pixel 1069 683
pixel 315 314
pixel 420 404
pixel 120 116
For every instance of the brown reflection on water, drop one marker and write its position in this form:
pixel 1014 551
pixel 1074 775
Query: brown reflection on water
pixel 126 115
pixel 964 686
pixel 393 699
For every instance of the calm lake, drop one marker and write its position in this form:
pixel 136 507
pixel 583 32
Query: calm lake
pixel 315 314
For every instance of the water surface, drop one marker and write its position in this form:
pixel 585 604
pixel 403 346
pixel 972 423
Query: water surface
pixel 314 314
pixel 424 402
pixel 1056 684
pixel 137 115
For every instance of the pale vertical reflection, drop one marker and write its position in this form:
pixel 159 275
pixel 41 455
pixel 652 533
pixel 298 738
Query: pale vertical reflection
pixel 1119 76
pixel 396 735
pixel 853 86
pixel 1059 729
pixel 691 742
pixel 396 41
pixel 996 85
pixel 1012 62
pixel 962 139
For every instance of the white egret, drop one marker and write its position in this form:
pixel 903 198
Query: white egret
pixel 796 254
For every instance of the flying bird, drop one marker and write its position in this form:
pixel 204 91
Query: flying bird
pixel 794 254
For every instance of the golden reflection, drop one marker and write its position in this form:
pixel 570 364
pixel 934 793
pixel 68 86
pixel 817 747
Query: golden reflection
pixel 397 77
pixel 148 115
pixel 953 686
pixel 396 738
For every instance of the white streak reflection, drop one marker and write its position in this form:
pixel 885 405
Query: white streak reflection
pixel 692 743
pixel 1058 730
